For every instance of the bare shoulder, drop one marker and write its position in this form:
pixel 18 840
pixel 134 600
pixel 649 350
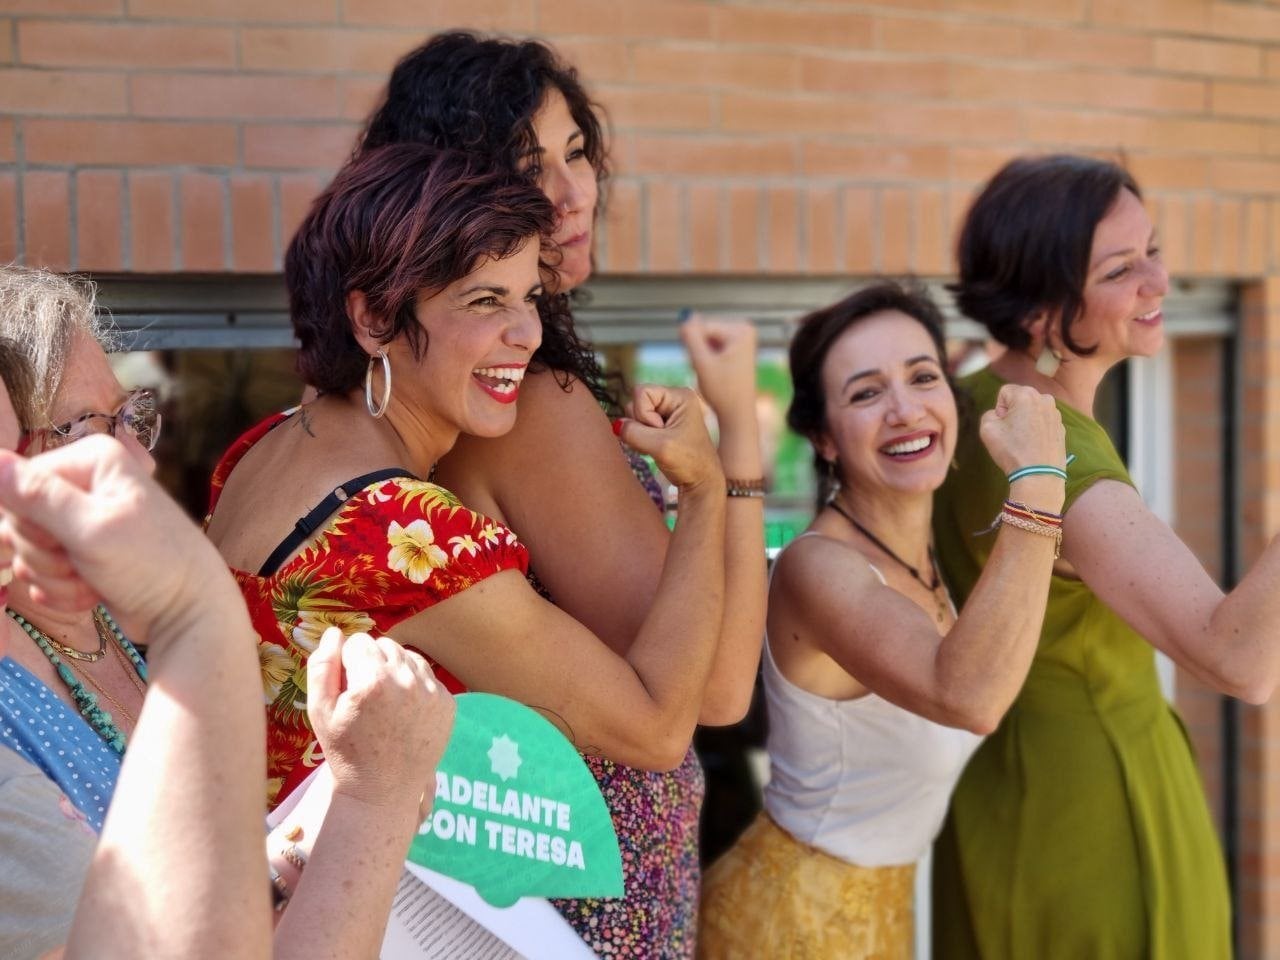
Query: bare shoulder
pixel 815 564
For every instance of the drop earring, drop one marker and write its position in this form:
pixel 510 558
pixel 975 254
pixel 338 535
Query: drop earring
pixel 1048 362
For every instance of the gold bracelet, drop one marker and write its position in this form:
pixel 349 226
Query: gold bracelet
pixel 1040 529
pixel 745 488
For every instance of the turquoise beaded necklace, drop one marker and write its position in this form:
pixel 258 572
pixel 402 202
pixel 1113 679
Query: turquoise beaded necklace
pixel 86 701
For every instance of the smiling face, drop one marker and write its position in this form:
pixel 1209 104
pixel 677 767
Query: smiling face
pixel 890 414
pixel 481 331
pixel 566 176
pixel 1125 285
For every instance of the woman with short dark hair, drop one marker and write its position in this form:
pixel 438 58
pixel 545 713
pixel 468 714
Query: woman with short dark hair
pixel 875 687
pixel 1080 827
pixel 412 286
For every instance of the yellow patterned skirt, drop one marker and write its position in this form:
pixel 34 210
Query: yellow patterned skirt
pixel 773 897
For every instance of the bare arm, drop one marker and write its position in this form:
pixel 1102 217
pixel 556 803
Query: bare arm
pixel 179 869
pixel 1141 569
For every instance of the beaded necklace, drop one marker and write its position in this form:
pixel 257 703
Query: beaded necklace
pixel 87 702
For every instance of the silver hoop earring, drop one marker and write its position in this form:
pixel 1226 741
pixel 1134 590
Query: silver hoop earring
pixel 377 412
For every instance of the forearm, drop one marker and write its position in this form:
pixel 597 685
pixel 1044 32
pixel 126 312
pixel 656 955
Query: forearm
pixel 341 902
pixel 727 696
pixel 1241 636
pixel 179 870
pixel 673 651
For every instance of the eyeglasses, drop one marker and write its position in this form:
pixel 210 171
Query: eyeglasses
pixel 138 416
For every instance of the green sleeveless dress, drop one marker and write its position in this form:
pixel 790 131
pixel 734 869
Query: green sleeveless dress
pixel 1079 828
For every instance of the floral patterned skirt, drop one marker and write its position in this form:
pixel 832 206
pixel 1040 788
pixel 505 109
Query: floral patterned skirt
pixel 773 896
pixel 656 819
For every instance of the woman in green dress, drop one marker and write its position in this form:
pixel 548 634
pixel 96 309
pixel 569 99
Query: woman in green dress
pixel 1080 828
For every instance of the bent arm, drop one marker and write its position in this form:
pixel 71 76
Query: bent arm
pixel 1141 569
pixel 639 709
pixel 968 678
pixel 598 545
pixel 179 870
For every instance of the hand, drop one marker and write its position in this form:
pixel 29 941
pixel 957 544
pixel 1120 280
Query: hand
pixel 666 423
pixel 723 354
pixel 86 522
pixel 1024 428
pixel 385 728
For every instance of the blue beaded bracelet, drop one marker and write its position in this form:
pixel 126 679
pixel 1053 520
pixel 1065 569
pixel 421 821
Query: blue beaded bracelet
pixel 1039 468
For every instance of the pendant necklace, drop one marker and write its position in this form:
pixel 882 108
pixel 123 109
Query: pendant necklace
pixel 940 602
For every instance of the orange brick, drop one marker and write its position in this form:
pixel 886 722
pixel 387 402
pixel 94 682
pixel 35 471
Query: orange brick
pixel 1255 237
pixel 8 217
pixel 1235 99
pixel 1173 233
pixel 947 123
pixel 874 162
pixel 719 156
pixel 875 78
pixel 933 242
pixel 46 219
pixel 977 82
pixel 298 146
pixel 360 96
pixel 1228 234
pixel 1210 57
pixel 978 164
pixel 861 117
pixel 128 142
pixel 664 235
pixel 1160 171
pixel 657 109
pixel 47 8
pixel 704 228
pixel 710 66
pixel 945 38
pixel 1247 176
pixel 1070 128
pixel 6 42
pixel 507 15
pixel 99 217
pixel 201 229
pixel 622 223
pixel 235 11
pixel 1206 136
pixel 233 96
pixel 1273 64
pixel 61 91
pixel 1246 21
pixel 1181 16
pixel 895 230
pixel 7 140
pixel 658 18
pixel 1086 46
pixel 99 44
pixel 321 50
pixel 743 229
pixel 861 231
pixel 253 236
pixel 1202 239
pixel 782 234
pixel 297 191
pixel 1075 10
pixel 151 222
pixel 822 226
pixel 597 60
pixel 793 28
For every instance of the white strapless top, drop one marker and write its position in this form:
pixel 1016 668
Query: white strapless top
pixel 863 780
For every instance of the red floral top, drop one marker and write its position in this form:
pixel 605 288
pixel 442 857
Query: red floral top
pixel 392 549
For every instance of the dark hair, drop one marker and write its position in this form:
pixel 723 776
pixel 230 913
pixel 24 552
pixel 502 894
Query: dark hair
pixel 19 381
pixel 1026 242
pixel 807 414
pixel 463 91
pixel 396 221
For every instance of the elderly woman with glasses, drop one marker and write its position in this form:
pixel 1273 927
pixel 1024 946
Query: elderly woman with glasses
pixel 67 665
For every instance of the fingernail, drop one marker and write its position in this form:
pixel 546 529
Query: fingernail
pixel 331 634
pixel 616 426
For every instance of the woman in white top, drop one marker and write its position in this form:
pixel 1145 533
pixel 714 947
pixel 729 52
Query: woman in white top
pixel 877 691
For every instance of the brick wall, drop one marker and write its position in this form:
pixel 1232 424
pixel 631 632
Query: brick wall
pixel 800 137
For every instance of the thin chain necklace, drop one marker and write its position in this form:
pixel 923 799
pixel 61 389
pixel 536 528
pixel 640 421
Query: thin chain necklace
pixel 92 656
pixel 85 701
pixel 940 602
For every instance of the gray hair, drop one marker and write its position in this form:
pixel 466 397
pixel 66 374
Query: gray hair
pixel 42 312
pixel 16 374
